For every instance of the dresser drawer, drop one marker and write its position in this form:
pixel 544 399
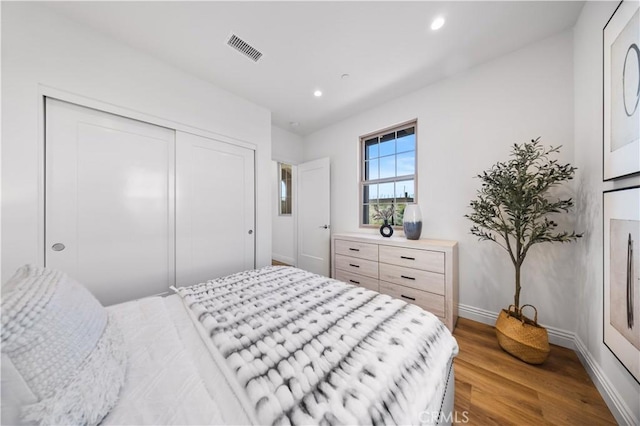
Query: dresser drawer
pixel 356 249
pixel 428 301
pixel 368 268
pixel 414 278
pixel 426 260
pixel 362 281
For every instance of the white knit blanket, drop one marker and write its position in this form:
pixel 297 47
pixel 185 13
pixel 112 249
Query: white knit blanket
pixel 311 350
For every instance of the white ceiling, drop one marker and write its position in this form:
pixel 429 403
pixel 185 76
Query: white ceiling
pixel 387 48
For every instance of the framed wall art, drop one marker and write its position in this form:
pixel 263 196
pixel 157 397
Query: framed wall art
pixel 621 92
pixel 622 276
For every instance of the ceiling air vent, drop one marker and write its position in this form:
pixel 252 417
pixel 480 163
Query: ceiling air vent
pixel 244 48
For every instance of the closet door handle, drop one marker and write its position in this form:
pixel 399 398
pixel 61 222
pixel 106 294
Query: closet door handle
pixel 58 247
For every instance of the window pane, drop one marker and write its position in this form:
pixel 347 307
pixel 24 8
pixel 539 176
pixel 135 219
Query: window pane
pixel 406 140
pixel 285 189
pixel 367 211
pixel 388 144
pixel 370 194
pixel 386 207
pixel 371 149
pixel 406 163
pixel 385 192
pixel 405 192
pixel 399 213
pixel 371 170
pixel 387 167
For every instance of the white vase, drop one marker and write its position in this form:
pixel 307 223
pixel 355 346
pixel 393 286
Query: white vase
pixel 412 222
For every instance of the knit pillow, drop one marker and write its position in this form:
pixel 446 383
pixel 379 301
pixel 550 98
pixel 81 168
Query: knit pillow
pixel 64 350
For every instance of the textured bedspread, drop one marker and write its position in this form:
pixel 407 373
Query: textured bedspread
pixel 308 349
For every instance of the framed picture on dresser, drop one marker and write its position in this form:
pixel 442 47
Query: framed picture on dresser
pixel 621 92
pixel 622 276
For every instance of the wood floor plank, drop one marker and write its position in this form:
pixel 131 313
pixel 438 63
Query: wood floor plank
pixel 493 387
pixel 462 400
pixel 508 409
pixel 561 411
pixel 484 380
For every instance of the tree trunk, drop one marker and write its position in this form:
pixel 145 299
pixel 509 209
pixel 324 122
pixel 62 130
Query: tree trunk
pixel 516 299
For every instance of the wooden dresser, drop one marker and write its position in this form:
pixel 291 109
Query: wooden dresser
pixel 423 272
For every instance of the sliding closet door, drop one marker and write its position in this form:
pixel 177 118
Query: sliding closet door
pixel 215 209
pixel 109 202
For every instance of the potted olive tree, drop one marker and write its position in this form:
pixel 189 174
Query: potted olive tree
pixel 514 209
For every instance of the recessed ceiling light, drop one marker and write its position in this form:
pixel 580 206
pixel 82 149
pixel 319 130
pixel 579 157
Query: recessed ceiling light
pixel 437 23
pixel 294 124
pixel 344 76
pixel 317 93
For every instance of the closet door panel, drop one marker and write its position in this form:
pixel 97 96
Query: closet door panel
pixel 109 199
pixel 215 209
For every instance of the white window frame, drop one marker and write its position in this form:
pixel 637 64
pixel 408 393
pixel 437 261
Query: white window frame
pixel 362 158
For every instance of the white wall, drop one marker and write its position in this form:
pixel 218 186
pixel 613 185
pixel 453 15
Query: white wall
pixel 286 147
pixel 588 159
pixel 465 124
pixel 42 48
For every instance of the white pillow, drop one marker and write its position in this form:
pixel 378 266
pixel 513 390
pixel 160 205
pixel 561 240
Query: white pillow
pixel 64 351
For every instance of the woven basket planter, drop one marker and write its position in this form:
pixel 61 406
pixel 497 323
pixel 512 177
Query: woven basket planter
pixel 522 338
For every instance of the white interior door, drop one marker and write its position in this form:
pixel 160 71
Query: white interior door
pixel 314 216
pixel 215 209
pixel 109 196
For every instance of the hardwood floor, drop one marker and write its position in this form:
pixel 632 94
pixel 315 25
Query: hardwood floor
pixel 277 263
pixel 494 388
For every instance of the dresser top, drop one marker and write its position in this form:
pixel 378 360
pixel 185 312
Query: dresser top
pixel 396 241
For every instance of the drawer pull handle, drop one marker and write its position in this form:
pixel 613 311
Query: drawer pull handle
pixel 407 297
pixel 408 278
pixel 407 257
pixel 354 281
pixel 355 266
pixel 354 249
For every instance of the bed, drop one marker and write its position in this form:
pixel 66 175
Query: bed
pixel 276 345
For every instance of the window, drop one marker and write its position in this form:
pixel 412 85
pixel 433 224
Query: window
pixel 388 181
pixel 284 194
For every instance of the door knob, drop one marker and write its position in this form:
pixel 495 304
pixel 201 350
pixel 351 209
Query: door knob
pixel 250 231
pixel 325 227
pixel 57 247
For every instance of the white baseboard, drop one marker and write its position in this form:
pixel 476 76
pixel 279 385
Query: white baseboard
pixel 568 339
pixel 561 337
pixel 616 404
pixel 557 336
pixel 284 259
pixel 477 314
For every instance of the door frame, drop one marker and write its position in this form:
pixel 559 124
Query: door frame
pixel 294 208
pixel 45 91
